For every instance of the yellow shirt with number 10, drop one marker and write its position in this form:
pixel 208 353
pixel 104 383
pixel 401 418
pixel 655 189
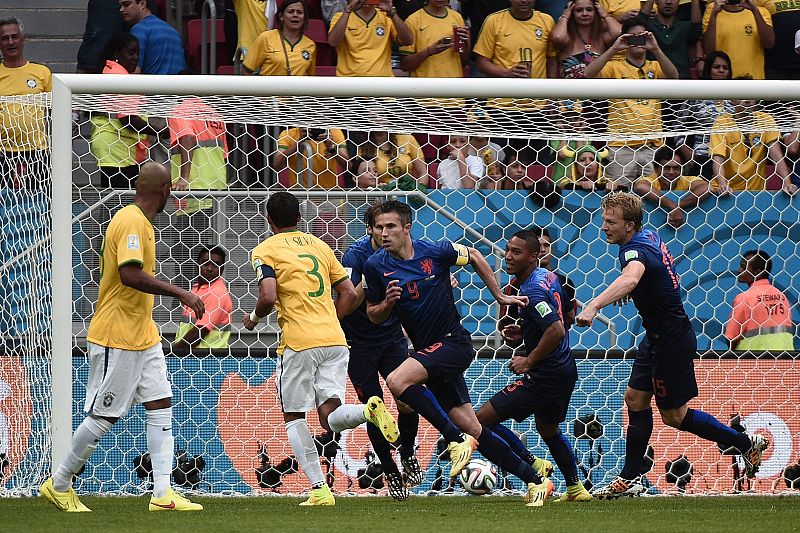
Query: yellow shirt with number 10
pixel 305 270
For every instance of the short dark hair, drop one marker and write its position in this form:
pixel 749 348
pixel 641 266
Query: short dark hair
pixel 633 21
pixel 531 239
pixel 402 209
pixel 541 232
pixel 283 209
pixel 760 261
pixel 371 212
pixel 211 249
pixel 117 42
pixel 709 62
pixel 665 153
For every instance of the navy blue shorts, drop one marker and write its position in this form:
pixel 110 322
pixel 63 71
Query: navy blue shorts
pixel 366 362
pixel 446 362
pixel 545 398
pixel 666 369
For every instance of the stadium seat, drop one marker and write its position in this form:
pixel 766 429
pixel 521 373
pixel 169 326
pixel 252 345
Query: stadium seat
pixel 326 70
pixel 194 43
pixel 314 9
pixel 537 171
pixel 317 32
pixel 433 183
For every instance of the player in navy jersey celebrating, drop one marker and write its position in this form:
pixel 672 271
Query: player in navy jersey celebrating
pixel 547 372
pixel 664 364
pixel 410 278
pixel 379 349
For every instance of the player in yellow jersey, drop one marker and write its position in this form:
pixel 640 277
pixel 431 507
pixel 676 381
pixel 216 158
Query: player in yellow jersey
pixel 127 363
pixel 296 274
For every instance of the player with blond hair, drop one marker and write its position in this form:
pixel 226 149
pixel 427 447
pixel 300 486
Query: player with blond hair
pixel 664 365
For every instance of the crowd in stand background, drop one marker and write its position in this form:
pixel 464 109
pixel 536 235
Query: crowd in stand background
pixel 721 39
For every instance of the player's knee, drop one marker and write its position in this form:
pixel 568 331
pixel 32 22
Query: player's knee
pixel 110 419
pixel 635 402
pixel 672 417
pixel 290 417
pixel 396 383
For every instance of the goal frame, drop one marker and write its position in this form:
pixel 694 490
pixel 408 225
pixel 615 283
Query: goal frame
pixel 65 85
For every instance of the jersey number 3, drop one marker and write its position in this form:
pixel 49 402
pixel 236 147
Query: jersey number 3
pixel 314 273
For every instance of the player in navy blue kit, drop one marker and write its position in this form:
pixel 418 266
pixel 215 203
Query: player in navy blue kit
pixel 547 372
pixel 379 349
pixel 664 364
pixel 411 279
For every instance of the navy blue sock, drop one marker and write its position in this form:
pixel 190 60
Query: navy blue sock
pixel 497 451
pixel 640 428
pixel 564 456
pixel 513 442
pixel 408 424
pixel 382 449
pixel 420 399
pixel 706 426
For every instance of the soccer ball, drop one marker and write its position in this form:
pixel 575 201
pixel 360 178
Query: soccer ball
pixel 478 477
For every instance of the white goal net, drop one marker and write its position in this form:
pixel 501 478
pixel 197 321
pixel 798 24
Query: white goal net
pixel 477 161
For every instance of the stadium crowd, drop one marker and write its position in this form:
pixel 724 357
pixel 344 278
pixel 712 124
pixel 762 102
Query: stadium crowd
pixel 741 39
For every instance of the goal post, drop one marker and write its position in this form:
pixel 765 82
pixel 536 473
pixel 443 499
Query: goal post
pixel 433 108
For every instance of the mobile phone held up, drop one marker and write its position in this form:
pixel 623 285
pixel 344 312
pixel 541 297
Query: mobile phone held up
pixel 637 40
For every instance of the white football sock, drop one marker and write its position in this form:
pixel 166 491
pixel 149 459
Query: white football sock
pixel 346 416
pixel 84 442
pixel 161 445
pixel 305 451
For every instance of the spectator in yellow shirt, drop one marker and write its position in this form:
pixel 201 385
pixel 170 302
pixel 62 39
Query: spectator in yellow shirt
pixel 632 159
pixel 314 157
pixel 435 52
pixel 286 50
pixel 24 160
pixel 668 176
pixel 741 143
pixel 742 30
pixel 363 37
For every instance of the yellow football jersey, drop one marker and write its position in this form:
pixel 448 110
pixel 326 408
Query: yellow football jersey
pixel 305 270
pixel 683 183
pixel 22 125
pixel 366 49
pixel 737 35
pixel 745 154
pixel 123 317
pixel 324 166
pixel 251 18
pixel 427 30
pixel 633 116
pixel 394 166
pixel 268 58
pixel 506 41
pixel 617 8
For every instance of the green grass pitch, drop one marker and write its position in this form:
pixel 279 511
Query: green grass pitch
pixel 436 514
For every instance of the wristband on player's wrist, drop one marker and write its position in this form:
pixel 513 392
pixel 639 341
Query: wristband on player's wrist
pixel 254 317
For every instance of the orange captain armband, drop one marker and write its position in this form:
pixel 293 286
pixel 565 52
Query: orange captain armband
pixel 463 254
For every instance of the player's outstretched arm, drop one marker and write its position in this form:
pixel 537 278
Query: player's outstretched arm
pixel 267 296
pixel 378 312
pixel 483 269
pixel 134 277
pixel 619 288
pixel 551 337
